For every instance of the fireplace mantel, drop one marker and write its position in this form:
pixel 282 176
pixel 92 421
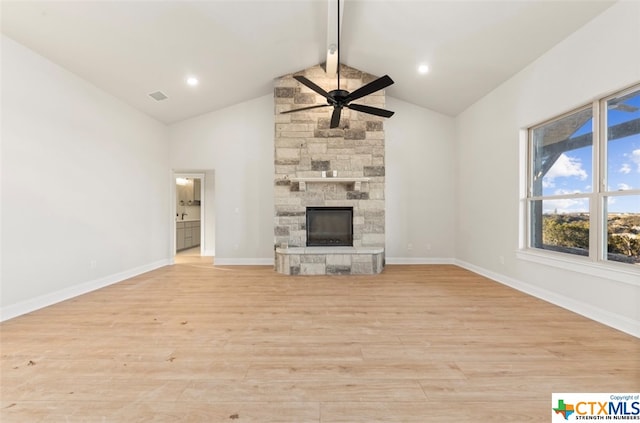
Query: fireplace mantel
pixel 331 180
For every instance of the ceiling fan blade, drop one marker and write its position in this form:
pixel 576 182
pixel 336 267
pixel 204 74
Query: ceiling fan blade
pixel 335 117
pixel 305 108
pixel 304 81
pixel 371 87
pixel 371 110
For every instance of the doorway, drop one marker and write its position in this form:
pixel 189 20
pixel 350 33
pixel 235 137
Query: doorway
pixel 189 221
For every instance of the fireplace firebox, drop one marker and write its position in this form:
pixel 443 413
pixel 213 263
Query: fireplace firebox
pixel 329 226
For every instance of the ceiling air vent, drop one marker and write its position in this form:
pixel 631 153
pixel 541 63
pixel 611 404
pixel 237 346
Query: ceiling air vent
pixel 158 96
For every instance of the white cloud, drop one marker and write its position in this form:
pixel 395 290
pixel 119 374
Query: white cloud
pixel 561 191
pixel 566 205
pixel 623 187
pixel 626 169
pixel 635 157
pixel 566 167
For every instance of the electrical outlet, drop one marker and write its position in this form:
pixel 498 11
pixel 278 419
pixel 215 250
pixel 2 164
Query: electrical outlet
pixel 409 246
pixel 501 259
pixel 93 264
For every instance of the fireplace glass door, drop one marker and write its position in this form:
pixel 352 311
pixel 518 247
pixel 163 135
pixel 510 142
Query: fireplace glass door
pixel 329 226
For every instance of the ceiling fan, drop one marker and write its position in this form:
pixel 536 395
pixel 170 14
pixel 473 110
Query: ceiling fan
pixel 340 99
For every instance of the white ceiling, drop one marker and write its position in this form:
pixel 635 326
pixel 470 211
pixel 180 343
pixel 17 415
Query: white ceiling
pixel 237 48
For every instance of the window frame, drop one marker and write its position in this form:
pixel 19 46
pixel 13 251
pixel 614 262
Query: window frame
pixel 596 262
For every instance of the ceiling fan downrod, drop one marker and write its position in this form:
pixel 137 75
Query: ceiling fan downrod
pixel 340 99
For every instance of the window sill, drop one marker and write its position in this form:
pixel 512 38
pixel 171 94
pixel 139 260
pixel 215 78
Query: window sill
pixel 612 271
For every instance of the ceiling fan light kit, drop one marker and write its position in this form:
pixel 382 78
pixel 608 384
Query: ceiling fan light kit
pixel 340 98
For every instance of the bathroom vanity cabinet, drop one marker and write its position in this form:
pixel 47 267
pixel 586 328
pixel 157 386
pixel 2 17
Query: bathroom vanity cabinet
pixel 187 234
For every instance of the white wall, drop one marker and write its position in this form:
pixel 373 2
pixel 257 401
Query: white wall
pixel 85 185
pixel 419 185
pixel 599 58
pixel 237 143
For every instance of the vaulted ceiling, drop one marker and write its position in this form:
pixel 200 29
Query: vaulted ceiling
pixel 236 48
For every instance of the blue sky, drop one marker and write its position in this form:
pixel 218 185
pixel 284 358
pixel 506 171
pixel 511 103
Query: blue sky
pixel 572 172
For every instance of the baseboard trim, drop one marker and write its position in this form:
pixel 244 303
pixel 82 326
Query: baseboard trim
pixel 418 260
pixel 622 323
pixel 217 261
pixel 28 306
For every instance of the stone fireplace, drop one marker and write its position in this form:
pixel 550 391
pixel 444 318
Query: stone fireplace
pixel 318 168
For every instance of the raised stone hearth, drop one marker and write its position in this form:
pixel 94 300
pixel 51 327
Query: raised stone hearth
pixel 307 154
pixel 329 260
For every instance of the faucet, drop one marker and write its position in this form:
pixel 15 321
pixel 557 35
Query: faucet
pixel 183 215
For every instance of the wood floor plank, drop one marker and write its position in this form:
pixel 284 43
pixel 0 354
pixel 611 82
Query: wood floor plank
pixel 195 342
pixel 260 390
pixel 145 411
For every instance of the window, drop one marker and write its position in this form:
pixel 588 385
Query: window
pixel 583 196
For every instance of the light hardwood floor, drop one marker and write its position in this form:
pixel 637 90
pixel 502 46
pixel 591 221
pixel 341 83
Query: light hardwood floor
pixel 197 343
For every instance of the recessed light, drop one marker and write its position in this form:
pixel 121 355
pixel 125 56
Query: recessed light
pixel 423 69
pixel 192 81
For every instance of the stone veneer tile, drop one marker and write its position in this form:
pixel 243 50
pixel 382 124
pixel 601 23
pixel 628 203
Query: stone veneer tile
pixel 377 152
pixel 362 268
pixel 290 213
pixel 341 143
pixel 281 230
pixel 316 148
pixel 361 258
pixel 324 123
pixel 313 258
pixel 373 125
pixel 282 263
pixel 376 135
pixel 372 239
pixel 357 195
pixel 338 270
pixel 313 269
pixel 371 214
pixel 320 164
pixel 376 194
pixel 304 98
pixel 287 162
pixel 285 92
pixel 373 170
pixel 355 134
pixel 339 259
pixel 329 133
